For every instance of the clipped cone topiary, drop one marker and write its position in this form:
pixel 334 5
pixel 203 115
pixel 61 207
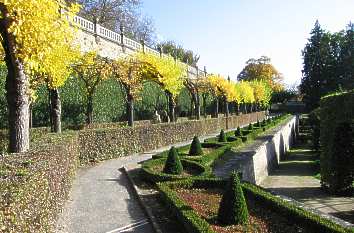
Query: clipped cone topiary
pixel 196 147
pixel 238 132
pixel 222 136
pixel 173 164
pixel 233 208
pixel 250 126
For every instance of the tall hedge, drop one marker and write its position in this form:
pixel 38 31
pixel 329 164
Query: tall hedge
pixel 336 110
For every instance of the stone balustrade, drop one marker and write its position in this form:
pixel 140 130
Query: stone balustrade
pixel 110 44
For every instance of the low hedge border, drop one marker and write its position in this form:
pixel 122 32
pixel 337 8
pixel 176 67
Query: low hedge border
pixel 195 224
pixel 206 160
pixel 148 174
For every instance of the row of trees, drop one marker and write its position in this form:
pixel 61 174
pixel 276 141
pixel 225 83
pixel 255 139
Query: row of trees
pixel 328 64
pixel 132 71
pixel 46 56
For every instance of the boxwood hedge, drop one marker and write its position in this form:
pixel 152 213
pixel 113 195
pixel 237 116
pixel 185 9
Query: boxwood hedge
pixel 193 223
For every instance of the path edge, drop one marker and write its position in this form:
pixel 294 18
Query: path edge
pixel 142 203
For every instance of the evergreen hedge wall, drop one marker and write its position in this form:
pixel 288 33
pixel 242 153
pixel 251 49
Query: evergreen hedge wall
pixel 109 103
pixel 335 110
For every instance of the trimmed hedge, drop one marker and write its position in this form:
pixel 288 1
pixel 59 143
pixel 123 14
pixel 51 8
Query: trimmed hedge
pixel 193 223
pixel 148 174
pixel 35 185
pixel 334 111
pixel 205 160
pixel 195 148
pixel 173 165
pixel 233 208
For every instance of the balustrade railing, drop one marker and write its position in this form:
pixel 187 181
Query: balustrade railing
pixel 115 37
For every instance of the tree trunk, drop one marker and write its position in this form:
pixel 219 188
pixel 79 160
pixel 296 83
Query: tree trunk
pixel 237 109
pixel 171 107
pixel 17 86
pixel 204 106
pixel 197 106
pixel 245 108
pixel 191 109
pixel 216 113
pixel 30 123
pixel 227 113
pixel 55 110
pixel 89 109
pixel 130 110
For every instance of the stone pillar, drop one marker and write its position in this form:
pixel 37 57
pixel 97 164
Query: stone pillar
pixel 143 45
pixel 97 30
pixel 121 28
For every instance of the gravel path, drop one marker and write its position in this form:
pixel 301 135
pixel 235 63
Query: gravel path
pixel 101 201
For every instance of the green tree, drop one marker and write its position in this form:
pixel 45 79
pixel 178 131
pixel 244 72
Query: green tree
pixel 178 52
pixel 317 73
pixel 346 59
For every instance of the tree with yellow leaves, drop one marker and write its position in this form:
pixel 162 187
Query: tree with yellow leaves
pixel 262 69
pixel 246 93
pixel 29 30
pixel 195 88
pixel 92 70
pixel 221 89
pixel 213 81
pixel 129 72
pixel 168 73
pixel 262 93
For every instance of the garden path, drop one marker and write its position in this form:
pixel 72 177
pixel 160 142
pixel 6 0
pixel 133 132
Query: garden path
pixel 101 201
pixel 295 178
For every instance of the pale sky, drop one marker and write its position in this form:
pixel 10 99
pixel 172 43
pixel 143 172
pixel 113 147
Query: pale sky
pixel 226 33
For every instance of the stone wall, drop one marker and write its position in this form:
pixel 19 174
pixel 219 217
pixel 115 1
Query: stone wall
pixel 102 144
pixel 258 159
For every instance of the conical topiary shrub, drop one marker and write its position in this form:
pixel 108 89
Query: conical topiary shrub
pixel 196 147
pixel 222 136
pixel 258 124
pixel 238 132
pixel 233 208
pixel 173 165
pixel 250 126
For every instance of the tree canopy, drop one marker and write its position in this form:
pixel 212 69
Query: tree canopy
pixel 262 69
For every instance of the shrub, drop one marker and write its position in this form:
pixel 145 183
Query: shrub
pixel 173 164
pixel 314 121
pixel 233 207
pixel 264 122
pixel 334 110
pixel 196 147
pixel 222 136
pixel 250 126
pixel 269 120
pixel 238 132
pixel 258 124
pixel 342 160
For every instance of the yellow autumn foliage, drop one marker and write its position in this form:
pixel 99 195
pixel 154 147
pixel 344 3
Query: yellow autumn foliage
pixel 168 73
pixel 92 69
pixel 42 32
pixel 129 71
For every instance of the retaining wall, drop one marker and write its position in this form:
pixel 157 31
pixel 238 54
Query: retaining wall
pixel 258 159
